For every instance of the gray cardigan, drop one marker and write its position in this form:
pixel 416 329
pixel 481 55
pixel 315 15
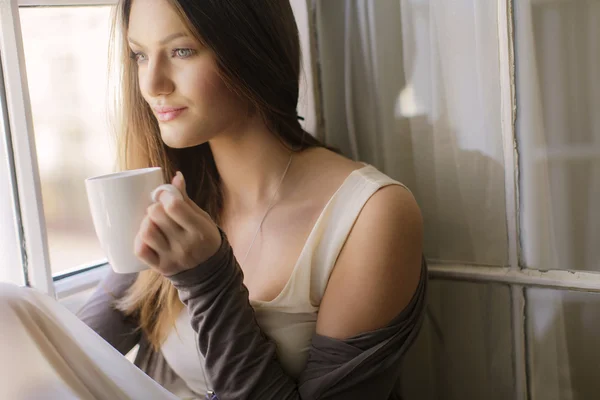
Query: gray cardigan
pixel 366 366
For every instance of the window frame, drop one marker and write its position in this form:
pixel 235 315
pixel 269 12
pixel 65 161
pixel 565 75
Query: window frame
pixel 27 196
pixel 13 253
pixel 79 279
pixel 36 258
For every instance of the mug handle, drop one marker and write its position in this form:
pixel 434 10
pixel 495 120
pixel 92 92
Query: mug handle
pixel 167 187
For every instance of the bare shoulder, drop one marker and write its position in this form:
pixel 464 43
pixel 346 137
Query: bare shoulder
pixel 327 164
pixel 315 176
pixel 378 269
pixel 391 210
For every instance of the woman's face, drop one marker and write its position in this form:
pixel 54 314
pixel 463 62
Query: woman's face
pixel 178 77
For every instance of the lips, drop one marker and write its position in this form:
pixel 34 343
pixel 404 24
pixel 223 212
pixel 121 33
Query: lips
pixel 166 114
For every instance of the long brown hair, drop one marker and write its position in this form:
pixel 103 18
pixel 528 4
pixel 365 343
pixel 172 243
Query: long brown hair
pixel 257 50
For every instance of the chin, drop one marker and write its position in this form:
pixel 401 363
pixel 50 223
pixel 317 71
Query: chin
pixel 179 144
pixel 180 140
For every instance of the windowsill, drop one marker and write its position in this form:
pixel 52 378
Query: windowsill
pixel 77 281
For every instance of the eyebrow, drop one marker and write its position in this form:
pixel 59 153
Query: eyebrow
pixel 166 40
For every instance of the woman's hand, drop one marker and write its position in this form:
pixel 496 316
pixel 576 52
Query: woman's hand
pixel 176 235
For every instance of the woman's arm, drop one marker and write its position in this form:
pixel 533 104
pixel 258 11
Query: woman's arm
pixel 371 295
pixel 100 315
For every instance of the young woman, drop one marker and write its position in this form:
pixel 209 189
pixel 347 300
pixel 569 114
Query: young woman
pixel 287 272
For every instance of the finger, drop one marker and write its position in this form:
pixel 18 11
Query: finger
pixel 187 216
pixel 192 217
pixel 152 235
pixel 179 182
pixel 167 225
pixel 145 254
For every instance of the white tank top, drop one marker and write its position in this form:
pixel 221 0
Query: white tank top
pixel 289 319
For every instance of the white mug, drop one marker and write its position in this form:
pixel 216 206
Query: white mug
pixel 118 204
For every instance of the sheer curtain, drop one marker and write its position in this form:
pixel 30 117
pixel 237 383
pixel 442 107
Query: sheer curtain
pixel 558 125
pixel 547 324
pixel 412 86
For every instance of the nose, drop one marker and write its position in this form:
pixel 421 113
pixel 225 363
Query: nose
pixel 155 79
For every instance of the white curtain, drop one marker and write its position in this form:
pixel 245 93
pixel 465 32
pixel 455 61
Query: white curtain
pixel 547 322
pixel 558 71
pixel 412 86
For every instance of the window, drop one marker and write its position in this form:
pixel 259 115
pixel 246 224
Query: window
pixel 54 61
pixel 558 131
pixel 488 111
pixel 66 54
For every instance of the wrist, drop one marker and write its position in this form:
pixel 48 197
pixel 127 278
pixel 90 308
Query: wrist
pixel 206 268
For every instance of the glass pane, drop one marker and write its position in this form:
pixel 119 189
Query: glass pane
pixel 465 348
pixel 66 53
pixel 412 87
pixel 564 344
pixel 11 269
pixel 558 126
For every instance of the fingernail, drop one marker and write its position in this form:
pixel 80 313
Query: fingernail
pixel 179 176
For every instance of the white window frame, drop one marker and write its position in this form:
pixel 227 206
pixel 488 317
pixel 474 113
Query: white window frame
pixel 32 234
pixel 36 258
pixel 12 252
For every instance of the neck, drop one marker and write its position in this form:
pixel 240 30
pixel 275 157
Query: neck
pixel 251 163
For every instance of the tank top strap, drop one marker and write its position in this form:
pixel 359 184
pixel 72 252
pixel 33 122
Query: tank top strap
pixel 337 221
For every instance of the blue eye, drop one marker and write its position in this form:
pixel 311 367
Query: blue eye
pixel 138 57
pixel 183 53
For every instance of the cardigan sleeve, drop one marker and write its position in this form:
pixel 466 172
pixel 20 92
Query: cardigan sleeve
pixel 99 313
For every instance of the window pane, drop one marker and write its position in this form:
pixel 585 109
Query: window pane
pixel 558 126
pixel 564 344
pixel 412 87
pixel 66 53
pixel 465 348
